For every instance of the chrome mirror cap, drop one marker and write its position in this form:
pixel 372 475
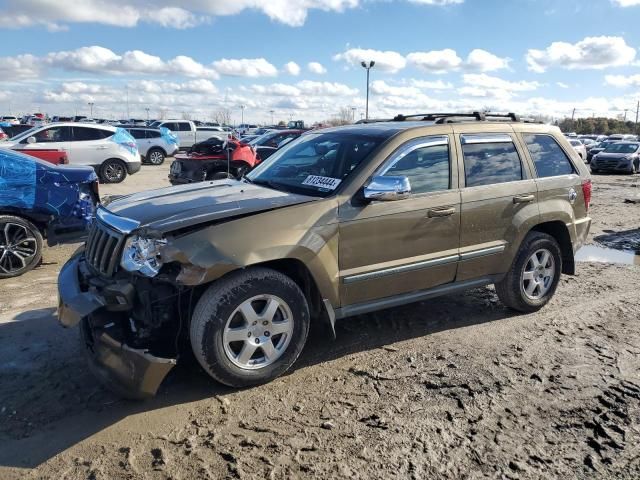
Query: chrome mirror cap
pixel 387 188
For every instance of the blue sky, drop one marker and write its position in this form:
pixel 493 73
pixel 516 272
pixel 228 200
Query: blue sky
pixel 194 57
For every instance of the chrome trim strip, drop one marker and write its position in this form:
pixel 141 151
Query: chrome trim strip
pixel 482 252
pixel 470 139
pixel 400 269
pixel 407 148
pixel 121 224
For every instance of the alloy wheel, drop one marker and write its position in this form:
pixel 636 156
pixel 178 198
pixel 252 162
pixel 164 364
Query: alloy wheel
pixel 258 332
pixel 538 274
pixel 114 172
pixel 18 246
pixel 156 157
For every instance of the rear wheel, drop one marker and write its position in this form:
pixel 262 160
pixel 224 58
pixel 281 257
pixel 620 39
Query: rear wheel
pixel 20 246
pixel 250 327
pixel 113 171
pixel 534 275
pixel 156 156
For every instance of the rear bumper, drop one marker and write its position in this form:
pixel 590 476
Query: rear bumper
pixel 130 372
pixel 582 227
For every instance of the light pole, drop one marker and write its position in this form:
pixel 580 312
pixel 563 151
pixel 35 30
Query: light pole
pixel 272 112
pixel 353 114
pixel 147 109
pixel 367 67
pixel 242 107
pixel 91 104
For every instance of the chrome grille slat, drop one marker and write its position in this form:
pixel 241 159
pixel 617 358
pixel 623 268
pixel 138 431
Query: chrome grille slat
pixel 103 248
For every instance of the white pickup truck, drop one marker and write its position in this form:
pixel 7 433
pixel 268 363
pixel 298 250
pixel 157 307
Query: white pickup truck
pixel 188 133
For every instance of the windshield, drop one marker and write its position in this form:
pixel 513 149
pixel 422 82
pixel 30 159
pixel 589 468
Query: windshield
pixel 621 148
pixel 576 143
pixel 315 164
pixel 262 139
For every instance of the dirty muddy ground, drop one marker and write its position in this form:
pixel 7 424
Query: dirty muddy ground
pixel 456 387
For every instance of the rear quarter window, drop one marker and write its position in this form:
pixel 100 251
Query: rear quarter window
pixel 488 163
pixel 547 155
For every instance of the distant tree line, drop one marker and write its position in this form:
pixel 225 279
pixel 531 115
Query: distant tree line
pixel 597 126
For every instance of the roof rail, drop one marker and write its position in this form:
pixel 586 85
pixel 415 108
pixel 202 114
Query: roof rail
pixel 451 117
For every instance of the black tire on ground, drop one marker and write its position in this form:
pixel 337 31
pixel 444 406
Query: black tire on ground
pixel 511 290
pixel 216 307
pixel 156 156
pixel 20 246
pixel 113 171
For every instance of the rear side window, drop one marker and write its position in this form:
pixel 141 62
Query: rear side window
pixel 152 134
pixel 137 134
pixel 183 127
pixel 85 134
pixel 490 159
pixel 425 162
pixel 548 158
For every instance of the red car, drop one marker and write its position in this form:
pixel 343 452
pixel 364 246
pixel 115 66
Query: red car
pixel 56 157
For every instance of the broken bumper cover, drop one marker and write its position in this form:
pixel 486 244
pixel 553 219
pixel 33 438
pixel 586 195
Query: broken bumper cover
pixel 130 372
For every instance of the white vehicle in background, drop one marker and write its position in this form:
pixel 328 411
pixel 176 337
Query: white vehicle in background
pixel 34 121
pixel 188 133
pixel 154 144
pixel 580 149
pixel 111 151
pixel 10 119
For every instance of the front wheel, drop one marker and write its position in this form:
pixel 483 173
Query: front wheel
pixel 113 171
pixel 155 156
pixel 534 275
pixel 250 327
pixel 20 246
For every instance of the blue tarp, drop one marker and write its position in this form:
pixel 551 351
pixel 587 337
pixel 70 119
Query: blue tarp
pixel 17 180
pixel 168 135
pixel 125 140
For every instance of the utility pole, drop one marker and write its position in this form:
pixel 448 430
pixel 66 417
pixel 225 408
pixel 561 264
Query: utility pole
pixel 625 114
pixel 242 107
pixel 90 109
pixel 128 115
pixel 147 109
pixel 367 66
pixel 353 114
pixel 637 114
pixel 272 112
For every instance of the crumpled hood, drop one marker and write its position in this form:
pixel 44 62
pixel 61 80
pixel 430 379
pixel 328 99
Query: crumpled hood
pixel 173 208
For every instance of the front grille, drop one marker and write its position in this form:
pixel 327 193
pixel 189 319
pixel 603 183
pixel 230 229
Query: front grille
pixel 104 248
pixel 608 163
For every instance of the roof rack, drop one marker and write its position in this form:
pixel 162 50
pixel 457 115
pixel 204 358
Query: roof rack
pixel 457 117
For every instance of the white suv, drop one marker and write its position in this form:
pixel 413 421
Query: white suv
pixel 111 151
pixel 154 144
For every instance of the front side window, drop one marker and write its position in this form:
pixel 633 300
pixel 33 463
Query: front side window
pixel 315 164
pixel 425 162
pixel 183 127
pixel 548 158
pixel 490 159
pixel 53 134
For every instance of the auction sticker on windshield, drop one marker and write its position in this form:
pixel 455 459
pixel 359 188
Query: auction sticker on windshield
pixel 322 182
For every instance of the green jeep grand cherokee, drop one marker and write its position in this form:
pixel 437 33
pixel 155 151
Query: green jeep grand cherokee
pixel 342 221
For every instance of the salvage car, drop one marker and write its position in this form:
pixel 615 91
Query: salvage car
pixel 40 201
pixel 154 144
pixel 213 159
pixel 340 222
pixel 580 149
pixel 112 152
pixel 618 157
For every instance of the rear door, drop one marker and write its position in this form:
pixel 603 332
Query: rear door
pixel 499 201
pixel 89 146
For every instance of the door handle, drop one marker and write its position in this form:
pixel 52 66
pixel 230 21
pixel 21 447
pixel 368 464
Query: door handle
pixel 441 212
pixel 102 147
pixel 524 198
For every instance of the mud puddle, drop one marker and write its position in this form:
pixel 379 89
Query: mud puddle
pixel 594 253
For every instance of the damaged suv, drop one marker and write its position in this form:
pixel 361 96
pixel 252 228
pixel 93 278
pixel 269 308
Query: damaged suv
pixel 340 222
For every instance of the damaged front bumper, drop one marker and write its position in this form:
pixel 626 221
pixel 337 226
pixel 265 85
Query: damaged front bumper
pixel 130 372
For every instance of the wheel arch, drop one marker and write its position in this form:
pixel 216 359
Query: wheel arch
pixel 39 221
pixel 560 232
pixel 157 147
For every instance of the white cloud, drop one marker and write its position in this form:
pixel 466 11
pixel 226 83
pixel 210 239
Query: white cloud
pixel 562 85
pixel 167 13
pixel 484 61
pixel 590 53
pixel 20 67
pixel 245 67
pixel 380 87
pixel 317 68
pixel 483 85
pixel 431 84
pixel 623 81
pixel 626 3
pixel 292 68
pixel 309 87
pixel 387 61
pixel 436 61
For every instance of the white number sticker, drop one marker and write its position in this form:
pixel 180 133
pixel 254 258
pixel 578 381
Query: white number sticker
pixel 322 182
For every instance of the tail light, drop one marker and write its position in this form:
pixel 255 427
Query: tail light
pixel 586 192
pixel 3 136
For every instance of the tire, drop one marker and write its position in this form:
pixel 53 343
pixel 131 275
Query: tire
pixel 514 289
pixel 25 240
pixel 156 156
pixel 217 320
pixel 113 171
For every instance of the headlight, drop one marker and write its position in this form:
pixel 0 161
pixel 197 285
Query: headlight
pixel 142 255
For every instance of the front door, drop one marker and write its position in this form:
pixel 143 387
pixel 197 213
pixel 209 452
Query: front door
pixel 54 138
pixel 393 247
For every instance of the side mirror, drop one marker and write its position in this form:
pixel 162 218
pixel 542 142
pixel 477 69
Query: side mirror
pixel 31 140
pixel 388 189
